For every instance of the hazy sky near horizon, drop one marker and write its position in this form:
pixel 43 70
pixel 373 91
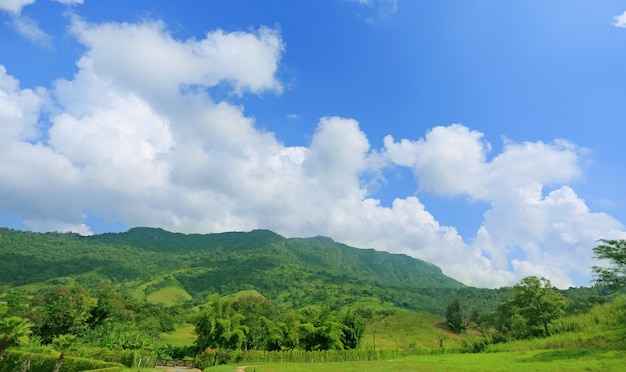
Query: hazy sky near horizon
pixel 486 136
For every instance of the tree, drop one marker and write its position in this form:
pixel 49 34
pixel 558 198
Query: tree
pixel 320 330
pixel 259 319
pixel 615 252
pixel 538 302
pixel 353 330
pixel 17 304
pixel 218 326
pixel 13 330
pixel 110 306
pixel 457 316
pixel 61 310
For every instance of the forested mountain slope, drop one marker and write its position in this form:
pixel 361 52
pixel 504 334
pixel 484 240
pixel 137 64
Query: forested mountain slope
pixel 205 263
pixel 158 265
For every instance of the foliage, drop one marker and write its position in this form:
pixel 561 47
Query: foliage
pixel 45 362
pixel 61 310
pixel 13 331
pixel 299 272
pixel 218 326
pixel 353 330
pixel 252 323
pixel 456 316
pixel 537 302
pixel 613 251
pixel 17 304
pixel 62 344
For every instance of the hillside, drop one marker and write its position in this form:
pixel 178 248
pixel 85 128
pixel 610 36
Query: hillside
pixel 295 271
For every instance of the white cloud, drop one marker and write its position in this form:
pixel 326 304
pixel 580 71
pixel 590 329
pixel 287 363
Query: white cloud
pixel 135 136
pixel 620 21
pixel 29 29
pixel 146 56
pixel 14 6
pixel 524 229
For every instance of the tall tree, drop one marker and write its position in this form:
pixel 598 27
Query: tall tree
pixel 538 302
pixel 13 330
pixel 353 330
pixel 457 316
pixel 218 326
pixel 259 319
pixel 613 251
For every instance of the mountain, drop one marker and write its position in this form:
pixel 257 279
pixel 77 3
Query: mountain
pixel 294 270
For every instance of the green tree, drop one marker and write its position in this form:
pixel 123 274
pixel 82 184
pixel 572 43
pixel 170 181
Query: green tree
pixel 61 310
pixel 17 304
pixel 110 306
pixel 457 316
pixel 613 251
pixel 259 320
pixel 538 302
pixel 218 326
pixel 320 330
pixel 353 330
pixel 13 330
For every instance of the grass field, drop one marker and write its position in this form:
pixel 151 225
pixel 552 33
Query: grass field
pixel 538 360
pixel 169 296
pixel 406 330
pixel 527 361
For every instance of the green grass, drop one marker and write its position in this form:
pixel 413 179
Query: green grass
pixel 407 330
pixel 538 360
pixel 169 296
pixel 182 336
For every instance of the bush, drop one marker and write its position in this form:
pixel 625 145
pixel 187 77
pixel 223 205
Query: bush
pixel 474 345
pixel 14 360
pixel 137 358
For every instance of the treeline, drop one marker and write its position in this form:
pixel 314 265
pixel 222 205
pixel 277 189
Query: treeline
pixel 102 316
pixel 532 310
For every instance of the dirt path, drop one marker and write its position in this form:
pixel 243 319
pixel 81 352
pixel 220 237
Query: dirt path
pixel 241 368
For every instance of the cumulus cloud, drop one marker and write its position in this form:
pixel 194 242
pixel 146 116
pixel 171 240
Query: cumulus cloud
pixel 145 56
pixel 135 136
pixel 525 231
pixel 14 6
pixel 620 21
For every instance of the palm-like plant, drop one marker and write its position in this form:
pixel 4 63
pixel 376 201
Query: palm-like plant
pixel 13 331
pixel 62 344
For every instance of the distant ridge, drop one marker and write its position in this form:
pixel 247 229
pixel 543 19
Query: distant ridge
pixel 259 260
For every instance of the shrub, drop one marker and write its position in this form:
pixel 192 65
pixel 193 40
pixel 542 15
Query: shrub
pixel 14 360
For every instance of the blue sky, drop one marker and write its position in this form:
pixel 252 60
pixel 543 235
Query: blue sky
pixel 483 136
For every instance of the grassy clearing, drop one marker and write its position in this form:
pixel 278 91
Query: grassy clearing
pixel 408 330
pixel 169 296
pixel 538 360
pixel 182 336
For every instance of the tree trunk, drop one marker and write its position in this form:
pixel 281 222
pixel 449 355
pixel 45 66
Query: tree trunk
pixel 57 366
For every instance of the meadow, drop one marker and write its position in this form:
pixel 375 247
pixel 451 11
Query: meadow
pixel 537 360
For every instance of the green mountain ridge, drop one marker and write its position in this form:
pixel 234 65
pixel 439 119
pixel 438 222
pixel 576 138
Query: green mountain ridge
pixel 294 271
